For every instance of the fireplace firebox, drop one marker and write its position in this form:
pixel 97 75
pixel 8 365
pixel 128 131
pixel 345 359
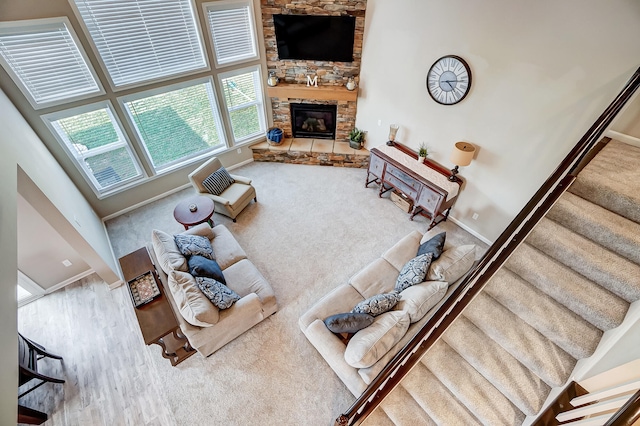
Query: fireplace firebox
pixel 313 121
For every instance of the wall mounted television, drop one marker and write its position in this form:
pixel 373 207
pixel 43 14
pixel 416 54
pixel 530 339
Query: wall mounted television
pixel 315 37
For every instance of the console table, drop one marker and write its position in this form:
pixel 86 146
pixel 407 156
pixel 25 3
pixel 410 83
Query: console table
pixel 156 319
pixel 426 184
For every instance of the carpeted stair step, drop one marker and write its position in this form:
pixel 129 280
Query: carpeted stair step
pixel 610 180
pixel 593 303
pixel 598 224
pixel 403 410
pixel 436 400
pixel 523 388
pixel 523 342
pixel 562 326
pixel 613 272
pixel 379 418
pixel 480 397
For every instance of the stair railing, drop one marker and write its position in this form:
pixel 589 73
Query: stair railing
pixel 628 414
pixel 489 264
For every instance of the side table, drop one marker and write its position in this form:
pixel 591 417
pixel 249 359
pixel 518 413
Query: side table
pixel 156 319
pixel 194 210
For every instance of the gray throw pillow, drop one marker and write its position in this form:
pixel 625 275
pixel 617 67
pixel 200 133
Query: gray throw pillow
pixel 435 245
pixel 218 181
pixel 200 266
pixel 413 272
pixel 194 245
pixel 219 294
pixel 348 322
pixel 378 304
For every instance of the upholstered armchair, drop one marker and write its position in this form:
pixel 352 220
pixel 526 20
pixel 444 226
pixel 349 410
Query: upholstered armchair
pixel 233 198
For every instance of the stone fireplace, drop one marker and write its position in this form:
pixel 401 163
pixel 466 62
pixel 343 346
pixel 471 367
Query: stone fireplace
pixel 313 121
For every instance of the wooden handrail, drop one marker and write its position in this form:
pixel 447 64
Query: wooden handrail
pixel 489 264
pixel 628 414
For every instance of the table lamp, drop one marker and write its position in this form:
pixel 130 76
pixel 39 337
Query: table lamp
pixel 393 130
pixel 461 155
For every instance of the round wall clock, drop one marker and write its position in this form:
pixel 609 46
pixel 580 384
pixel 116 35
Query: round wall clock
pixel 449 80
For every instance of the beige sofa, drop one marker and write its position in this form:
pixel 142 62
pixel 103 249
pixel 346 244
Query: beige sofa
pixel 216 327
pixel 375 348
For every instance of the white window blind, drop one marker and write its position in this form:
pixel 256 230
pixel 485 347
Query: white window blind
pixel 243 98
pixel 44 58
pixel 232 31
pixel 142 40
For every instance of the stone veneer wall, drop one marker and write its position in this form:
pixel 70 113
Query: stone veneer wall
pixel 329 73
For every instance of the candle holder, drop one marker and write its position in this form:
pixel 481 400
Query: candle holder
pixel 193 207
pixel 393 130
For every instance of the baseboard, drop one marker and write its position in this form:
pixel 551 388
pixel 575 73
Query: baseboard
pixel 69 281
pixel 243 163
pixel 115 285
pixel 471 231
pixel 145 202
pixel 631 140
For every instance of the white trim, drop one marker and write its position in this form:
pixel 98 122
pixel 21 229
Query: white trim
pixel 470 230
pixel 31 286
pixel 68 281
pixel 115 285
pixel 622 137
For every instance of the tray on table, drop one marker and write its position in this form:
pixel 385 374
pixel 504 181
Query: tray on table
pixel 143 288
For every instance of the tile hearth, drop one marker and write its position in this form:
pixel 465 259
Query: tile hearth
pixel 325 152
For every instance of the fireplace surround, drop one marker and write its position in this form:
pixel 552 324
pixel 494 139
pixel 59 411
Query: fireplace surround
pixel 313 120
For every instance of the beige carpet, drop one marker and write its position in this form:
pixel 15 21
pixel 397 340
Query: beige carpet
pixel 312 228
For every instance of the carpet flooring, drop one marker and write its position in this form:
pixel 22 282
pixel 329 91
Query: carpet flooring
pixel 312 228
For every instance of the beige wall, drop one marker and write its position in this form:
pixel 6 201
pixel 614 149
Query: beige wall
pixel 542 73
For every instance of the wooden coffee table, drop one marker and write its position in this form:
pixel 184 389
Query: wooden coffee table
pixel 185 214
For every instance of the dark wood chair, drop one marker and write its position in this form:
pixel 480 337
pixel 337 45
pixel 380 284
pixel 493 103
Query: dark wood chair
pixel 29 353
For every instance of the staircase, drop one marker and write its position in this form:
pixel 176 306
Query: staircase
pixel 572 279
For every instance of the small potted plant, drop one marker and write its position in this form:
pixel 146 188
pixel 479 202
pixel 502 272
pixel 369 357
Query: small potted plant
pixel 423 151
pixel 356 138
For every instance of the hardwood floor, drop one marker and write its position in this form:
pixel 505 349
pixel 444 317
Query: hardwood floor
pixel 110 379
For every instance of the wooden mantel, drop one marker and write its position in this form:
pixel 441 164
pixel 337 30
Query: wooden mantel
pixel 301 91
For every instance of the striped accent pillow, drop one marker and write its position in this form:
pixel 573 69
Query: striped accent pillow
pixel 218 181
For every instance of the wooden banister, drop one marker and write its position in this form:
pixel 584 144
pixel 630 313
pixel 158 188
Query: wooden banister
pixel 628 414
pixel 489 264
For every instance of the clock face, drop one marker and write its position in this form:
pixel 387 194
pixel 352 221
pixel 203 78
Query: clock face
pixel 449 80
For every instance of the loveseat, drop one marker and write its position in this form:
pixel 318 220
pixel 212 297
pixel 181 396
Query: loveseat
pixel 358 358
pixel 207 327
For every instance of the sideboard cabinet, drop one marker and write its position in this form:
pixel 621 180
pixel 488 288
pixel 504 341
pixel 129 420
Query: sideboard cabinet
pixel 426 184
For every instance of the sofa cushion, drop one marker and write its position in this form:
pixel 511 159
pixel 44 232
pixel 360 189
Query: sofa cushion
pixel 377 277
pixel 193 305
pixel 218 181
pixel 226 248
pixel 194 245
pixel 435 246
pixel 404 250
pixel 452 264
pixel 418 299
pixel 219 294
pixel 200 266
pixel 167 252
pixel 348 322
pixel 378 304
pixel 414 271
pixel 368 345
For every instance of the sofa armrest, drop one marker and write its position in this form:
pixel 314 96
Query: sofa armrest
pixel 241 179
pixel 340 300
pixel 403 251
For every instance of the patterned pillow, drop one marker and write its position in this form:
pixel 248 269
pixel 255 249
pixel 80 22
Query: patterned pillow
pixel 378 304
pixel 219 294
pixel 414 271
pixel 348 322
pixel 194 244
pixel 218 181
pixel 435 245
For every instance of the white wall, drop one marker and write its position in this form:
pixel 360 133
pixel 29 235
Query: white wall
pixel 542 73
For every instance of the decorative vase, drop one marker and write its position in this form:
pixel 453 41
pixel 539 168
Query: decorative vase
pixel 351 84
pixel 273 79
pixel 421 159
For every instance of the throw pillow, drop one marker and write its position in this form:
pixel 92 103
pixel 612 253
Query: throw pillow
pixel 200 266
pixel 194 245
pixel 348 322
pixel 168 253
pixel 453 264
pixel 368 345
pixel 194 307
pixel 418 299
pixel 378 304
pixel 218 181
pixel 219 294
pixel 435 246
pixel 413 272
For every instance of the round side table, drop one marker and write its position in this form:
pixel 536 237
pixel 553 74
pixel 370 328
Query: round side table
pixel 194 210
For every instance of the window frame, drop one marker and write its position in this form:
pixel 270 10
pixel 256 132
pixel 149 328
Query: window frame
pixel 123 142
pixel 184 161
pixel 115 88
pixel 227 5
pixel 18 81
pixel 260 101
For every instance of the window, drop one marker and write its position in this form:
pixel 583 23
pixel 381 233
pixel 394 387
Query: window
pixel 232 30
pixel 93 137
pixel 142 40
pixel 44 59
pixel 176 123
pixel 243 97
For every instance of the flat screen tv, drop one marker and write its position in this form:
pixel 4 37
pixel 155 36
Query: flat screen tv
pixel 315 38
